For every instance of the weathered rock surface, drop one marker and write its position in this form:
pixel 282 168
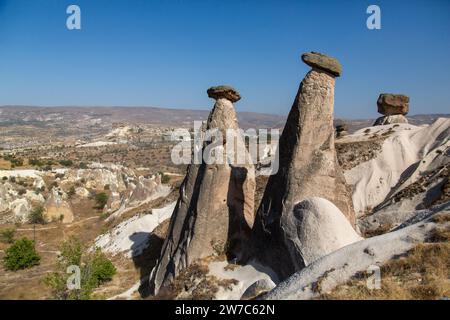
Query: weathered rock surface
pixel 397 118
pixel 21 209
pixel 225 92
pixel 258 287
pixel 214 212
pixel 322 62
pixel 319 228
pixel 340 266
pixel 308 167
pixel 56 207
pixel 392 104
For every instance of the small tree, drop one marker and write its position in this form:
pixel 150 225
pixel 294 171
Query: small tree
pixel 66 163
pixel 7 235
pixel 21 255
pixel 82 165
pixel 71 192
pixel 37 216
pixel 95 269
pixel 164 177
pixel 101 199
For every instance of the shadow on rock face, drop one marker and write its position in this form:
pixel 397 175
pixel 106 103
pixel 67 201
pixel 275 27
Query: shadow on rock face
pixel 145 259
pixel 239 230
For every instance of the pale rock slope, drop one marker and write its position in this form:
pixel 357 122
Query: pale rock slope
pixel 339 266
pixel 131 236
pixel 402 148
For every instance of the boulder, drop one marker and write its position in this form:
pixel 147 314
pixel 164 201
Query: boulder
pixel 323 62
pixel 316 228
pixel 398 118
pixel 393 104
pixel 214 211
pixel 308 167
pixel 257 288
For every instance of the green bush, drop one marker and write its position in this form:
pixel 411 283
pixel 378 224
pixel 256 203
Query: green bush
pixel 35 162
pixel 164 177
pixel 95 269
pixel 82 165
pixel 37 216
pixel 101 199
pixel 66 163
pixel 102 268
pixel 71 192
pixel 21 255
pixel 7 235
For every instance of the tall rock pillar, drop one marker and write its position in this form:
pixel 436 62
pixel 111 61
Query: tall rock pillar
pixel 308 167
pixel 215 212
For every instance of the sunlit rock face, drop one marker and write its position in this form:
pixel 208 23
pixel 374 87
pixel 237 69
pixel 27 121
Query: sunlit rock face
pixel 215 209
pixel 308 168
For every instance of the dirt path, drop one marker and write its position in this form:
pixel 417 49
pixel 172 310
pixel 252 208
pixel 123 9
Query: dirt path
pixel 55 227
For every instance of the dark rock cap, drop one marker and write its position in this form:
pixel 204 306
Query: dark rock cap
pixel 341 127
pixel 225 92
pixel 323 62
pixel 392 104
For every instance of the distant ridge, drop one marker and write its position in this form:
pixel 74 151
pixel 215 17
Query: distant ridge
pixel 162 116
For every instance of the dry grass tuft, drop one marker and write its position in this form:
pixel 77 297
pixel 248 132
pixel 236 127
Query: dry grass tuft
pixel 441 218
pixel 195 283
pixel 385 228
pixel 422 274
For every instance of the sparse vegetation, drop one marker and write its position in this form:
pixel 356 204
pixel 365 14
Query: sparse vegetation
pixel 195 283
pixel 35 162
pixel 66 163
pixel 82 165
pixel 165 178
pixel 384 228
pixel 100 200
pixel 423 273
pixel 21 255
pixel 7 235
pixel 71 192
pixel 95 269
pixel 37 216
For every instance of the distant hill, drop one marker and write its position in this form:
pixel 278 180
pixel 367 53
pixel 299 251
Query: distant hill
pixel 105 116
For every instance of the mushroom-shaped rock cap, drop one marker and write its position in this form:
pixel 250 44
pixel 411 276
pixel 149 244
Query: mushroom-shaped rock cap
pixel 323 62
pixel 392 104
pixel 341 127
pixel 225 92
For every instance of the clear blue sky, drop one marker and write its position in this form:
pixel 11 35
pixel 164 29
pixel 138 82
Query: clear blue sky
pixel 166 53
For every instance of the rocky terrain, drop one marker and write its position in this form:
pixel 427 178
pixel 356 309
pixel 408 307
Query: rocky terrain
pixel 348 197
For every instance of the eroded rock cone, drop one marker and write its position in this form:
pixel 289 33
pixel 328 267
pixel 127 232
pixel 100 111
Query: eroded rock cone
pixel 308 167
pixel 215 209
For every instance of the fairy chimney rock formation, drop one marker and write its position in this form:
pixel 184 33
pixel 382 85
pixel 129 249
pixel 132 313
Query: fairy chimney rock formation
pixel 308 167
pixel 214 213
pixel 393 107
